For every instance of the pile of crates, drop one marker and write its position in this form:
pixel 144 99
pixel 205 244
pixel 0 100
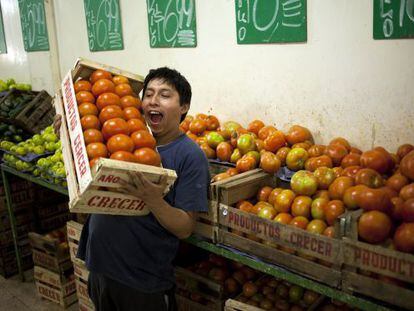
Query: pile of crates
pixel 22 196
pixel 53 270
pixel 74 230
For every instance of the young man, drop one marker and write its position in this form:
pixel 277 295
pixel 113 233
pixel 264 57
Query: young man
pixel 130 258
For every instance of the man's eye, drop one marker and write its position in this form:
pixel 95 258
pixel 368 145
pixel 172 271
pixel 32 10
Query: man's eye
pixel 165 95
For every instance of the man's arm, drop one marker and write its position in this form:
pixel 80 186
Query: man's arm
pixel 175 220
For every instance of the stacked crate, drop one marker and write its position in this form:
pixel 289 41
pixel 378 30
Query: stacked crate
pixel 81 272
pixel 51 210
pixel 22 196
pixel 53 271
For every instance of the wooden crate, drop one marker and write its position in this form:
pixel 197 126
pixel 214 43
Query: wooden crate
pixel 54 222
pixel 85 305
pixel 6 237
pixel 16 186
pixel 82 292
pixel 9 268
pixel 85 185
pixel 80 269
pixel 11 93
pixel 361 257
pixel 50 253
pixel 74 230
pixel 186 304
pixel 208 290
pixel 38 114
pixel 235 305
pixel 18 198
pixel 318 257
pixel 207 223
pixel 46 211
pixel 23 216
pixel 58 280
pixel 65 296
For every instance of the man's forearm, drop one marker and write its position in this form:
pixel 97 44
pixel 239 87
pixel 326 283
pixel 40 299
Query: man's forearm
pixel 175 220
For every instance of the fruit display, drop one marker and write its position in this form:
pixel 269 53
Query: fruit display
pixel 12 133
pixel 270 293
pixel 230 275
pixel 112 124
pixel 40 155
pixel 11 84
pixel 14 102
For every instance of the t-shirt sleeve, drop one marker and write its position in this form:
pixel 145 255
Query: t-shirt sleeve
pixel 191 188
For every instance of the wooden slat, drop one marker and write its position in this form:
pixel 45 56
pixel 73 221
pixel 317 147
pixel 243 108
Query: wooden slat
pixel 108 202
pixel 193 282
pixel 395 295
pixel 109 173
pixel 80 270
pixel 185 304
pixel 303 266
pixel 74 230
pixel 243 188
pixel 68 161
pixel 378 259
pixel 84 68
pixel 311 244
pixel 58 280
pixel 64 298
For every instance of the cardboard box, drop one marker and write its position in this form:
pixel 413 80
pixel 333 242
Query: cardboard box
pixel 84 183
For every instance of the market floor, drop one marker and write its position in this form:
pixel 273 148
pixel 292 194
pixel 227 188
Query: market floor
pixel 18 296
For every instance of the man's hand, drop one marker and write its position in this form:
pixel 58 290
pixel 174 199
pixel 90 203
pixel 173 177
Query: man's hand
pixel 57 123
pixel 142 188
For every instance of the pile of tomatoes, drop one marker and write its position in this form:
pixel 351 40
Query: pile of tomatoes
pixel 112 124
pixel 329 180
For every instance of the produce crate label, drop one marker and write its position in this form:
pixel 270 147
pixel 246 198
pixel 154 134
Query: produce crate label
pixel 83 171
pixel 113 200
pixel 55 294
pixel 47 276
pixel 74 230
pixel 44 259
pixel 80 270
pixel 311 244
pixel 82 290
pixel 379 259
pixel 73 250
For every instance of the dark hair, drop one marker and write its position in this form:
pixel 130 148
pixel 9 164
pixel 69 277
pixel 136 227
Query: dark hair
pixel 174 79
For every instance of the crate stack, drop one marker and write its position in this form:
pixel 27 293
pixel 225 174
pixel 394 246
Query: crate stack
pixel 22 196
pixel 81 272
pixel 53 270
pixel 51 211
pixel 32 111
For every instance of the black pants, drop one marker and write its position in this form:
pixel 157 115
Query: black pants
pixel 110 295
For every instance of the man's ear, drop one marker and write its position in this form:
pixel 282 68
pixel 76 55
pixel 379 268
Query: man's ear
pixel 184 108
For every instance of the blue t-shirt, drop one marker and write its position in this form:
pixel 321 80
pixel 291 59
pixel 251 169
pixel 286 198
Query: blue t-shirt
pixel 136 250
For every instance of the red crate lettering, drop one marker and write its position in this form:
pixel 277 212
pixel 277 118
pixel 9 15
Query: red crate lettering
pixel 109 202
pixel 80 156
pixel 311 243
pixel 380 261
pixel 109 179
pixel 70 104
pixel 48 293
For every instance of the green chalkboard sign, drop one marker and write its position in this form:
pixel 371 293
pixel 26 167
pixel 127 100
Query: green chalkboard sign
pixel 3 46
pixel 172 23
pixel 34 28
pixel 393 19
pixel 270 21
pixel 103 20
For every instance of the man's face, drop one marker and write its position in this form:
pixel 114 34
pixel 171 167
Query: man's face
pixel 161 107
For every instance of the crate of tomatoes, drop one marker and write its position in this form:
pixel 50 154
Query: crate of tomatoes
pixel 104 136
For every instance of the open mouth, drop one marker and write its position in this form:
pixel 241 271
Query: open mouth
pixel 155 117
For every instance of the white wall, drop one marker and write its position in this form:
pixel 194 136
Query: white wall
pixel 340 83
pixel 33 67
